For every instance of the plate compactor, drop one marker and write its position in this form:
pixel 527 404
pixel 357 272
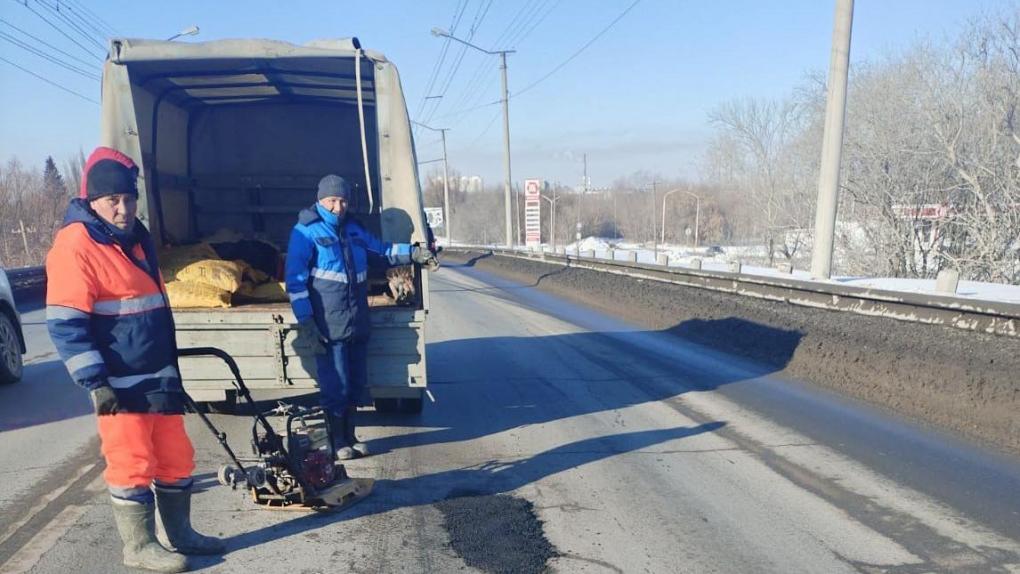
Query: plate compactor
pixel 294 471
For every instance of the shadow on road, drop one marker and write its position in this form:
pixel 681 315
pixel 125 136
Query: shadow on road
pixel 491 477
pixel 45 394
pixel 488 386
pixel 512 382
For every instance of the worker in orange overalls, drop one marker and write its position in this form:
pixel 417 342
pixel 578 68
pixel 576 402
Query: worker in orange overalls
pixel 108 316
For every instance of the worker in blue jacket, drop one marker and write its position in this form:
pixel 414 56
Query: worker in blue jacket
pixel 327 281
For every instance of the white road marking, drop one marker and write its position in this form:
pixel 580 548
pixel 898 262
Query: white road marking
pixel 28 555
pixel 44 502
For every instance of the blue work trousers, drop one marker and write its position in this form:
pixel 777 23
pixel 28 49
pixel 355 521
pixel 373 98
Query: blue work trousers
pixel 343 374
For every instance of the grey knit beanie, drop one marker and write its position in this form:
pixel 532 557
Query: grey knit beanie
pixel 334 186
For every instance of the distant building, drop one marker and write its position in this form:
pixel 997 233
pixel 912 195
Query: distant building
pixel 468 183
pixel 472 183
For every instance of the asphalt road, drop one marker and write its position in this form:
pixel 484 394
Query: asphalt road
pixel 558 434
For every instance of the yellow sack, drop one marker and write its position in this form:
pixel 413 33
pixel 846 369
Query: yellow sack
pixel 188 295
pixel 173 259
pixel 250 274
pixel 224 275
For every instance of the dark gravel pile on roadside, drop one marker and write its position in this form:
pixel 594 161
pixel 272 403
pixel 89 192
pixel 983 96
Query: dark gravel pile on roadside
pixel 968 382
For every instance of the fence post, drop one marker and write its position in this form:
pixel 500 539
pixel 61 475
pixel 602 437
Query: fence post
pixel 948 281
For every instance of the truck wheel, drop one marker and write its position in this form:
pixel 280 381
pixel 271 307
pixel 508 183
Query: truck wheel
pixel 386 405
pixel 403 405
pixel 411 406
pixel 11 366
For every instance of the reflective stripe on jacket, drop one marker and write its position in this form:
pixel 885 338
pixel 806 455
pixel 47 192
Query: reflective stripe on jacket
pixel 327 272
pixel 108 316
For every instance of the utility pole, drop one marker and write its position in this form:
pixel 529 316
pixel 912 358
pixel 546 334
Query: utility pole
pixel 446 190
pixel 832 142
pixel 506 146
pixel 584 192
pixel 439 32
pixel 446 181
pixel 655 245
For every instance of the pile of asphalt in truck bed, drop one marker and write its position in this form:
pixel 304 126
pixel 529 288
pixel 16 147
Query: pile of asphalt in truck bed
pixel 946 376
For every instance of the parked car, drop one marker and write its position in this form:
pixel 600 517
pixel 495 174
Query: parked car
pixel 12 340
pixel 714 250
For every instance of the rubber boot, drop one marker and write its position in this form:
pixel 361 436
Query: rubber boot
pixel 136 523
pixel 359 447
pixel 341 447
pixel 174 505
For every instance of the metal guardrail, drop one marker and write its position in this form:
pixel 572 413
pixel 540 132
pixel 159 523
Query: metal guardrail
pixel 970 314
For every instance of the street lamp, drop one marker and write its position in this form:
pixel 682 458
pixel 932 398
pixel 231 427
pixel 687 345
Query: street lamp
pixel 189 31
pixel 439 32
pixel 697 213
pixel 552 225
pixel 446 180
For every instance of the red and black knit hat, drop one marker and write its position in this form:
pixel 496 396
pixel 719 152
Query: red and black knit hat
pixel 108 172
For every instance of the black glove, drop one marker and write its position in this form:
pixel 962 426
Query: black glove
pixel 423 256
pixel 310 338
pixel 104 400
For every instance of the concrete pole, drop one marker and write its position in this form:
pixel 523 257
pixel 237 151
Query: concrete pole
pixel 832 143
pixel 697 221
pixel 506 152
pixel 655 245
pixel 662 228
pixel 446 190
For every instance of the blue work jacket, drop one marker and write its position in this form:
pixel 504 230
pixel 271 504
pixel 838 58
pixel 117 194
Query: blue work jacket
pixel 327 272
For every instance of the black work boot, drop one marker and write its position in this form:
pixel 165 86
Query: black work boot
pixel 174 507
pixel 341 448
pixel 359 447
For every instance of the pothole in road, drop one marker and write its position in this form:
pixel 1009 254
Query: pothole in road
pixel 496 533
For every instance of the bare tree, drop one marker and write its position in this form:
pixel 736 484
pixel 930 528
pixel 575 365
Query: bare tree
pixel 752 154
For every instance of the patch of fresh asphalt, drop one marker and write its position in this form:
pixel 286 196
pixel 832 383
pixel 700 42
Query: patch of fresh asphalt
pixel 499 534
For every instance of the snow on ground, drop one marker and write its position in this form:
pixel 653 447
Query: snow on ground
pixel 969 289
pixel 717 259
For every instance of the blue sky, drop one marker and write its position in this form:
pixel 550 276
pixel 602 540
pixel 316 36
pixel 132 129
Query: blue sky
pixel 636 99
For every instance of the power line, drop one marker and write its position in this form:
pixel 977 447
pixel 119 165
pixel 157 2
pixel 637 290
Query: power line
pixel 48 45
pixel 62 32
pixel 74 26
pixel 482 9
pixel 44 55
pixel 96 18
pixel 473 88
pixel 539 19
pixel 488 126
pixel 96 29
pixel 468 110
pixel 476 22
pixel 458 13
pixel 578 52
pixel 48 81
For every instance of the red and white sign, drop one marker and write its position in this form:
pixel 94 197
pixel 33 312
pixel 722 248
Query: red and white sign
pixel 532 212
